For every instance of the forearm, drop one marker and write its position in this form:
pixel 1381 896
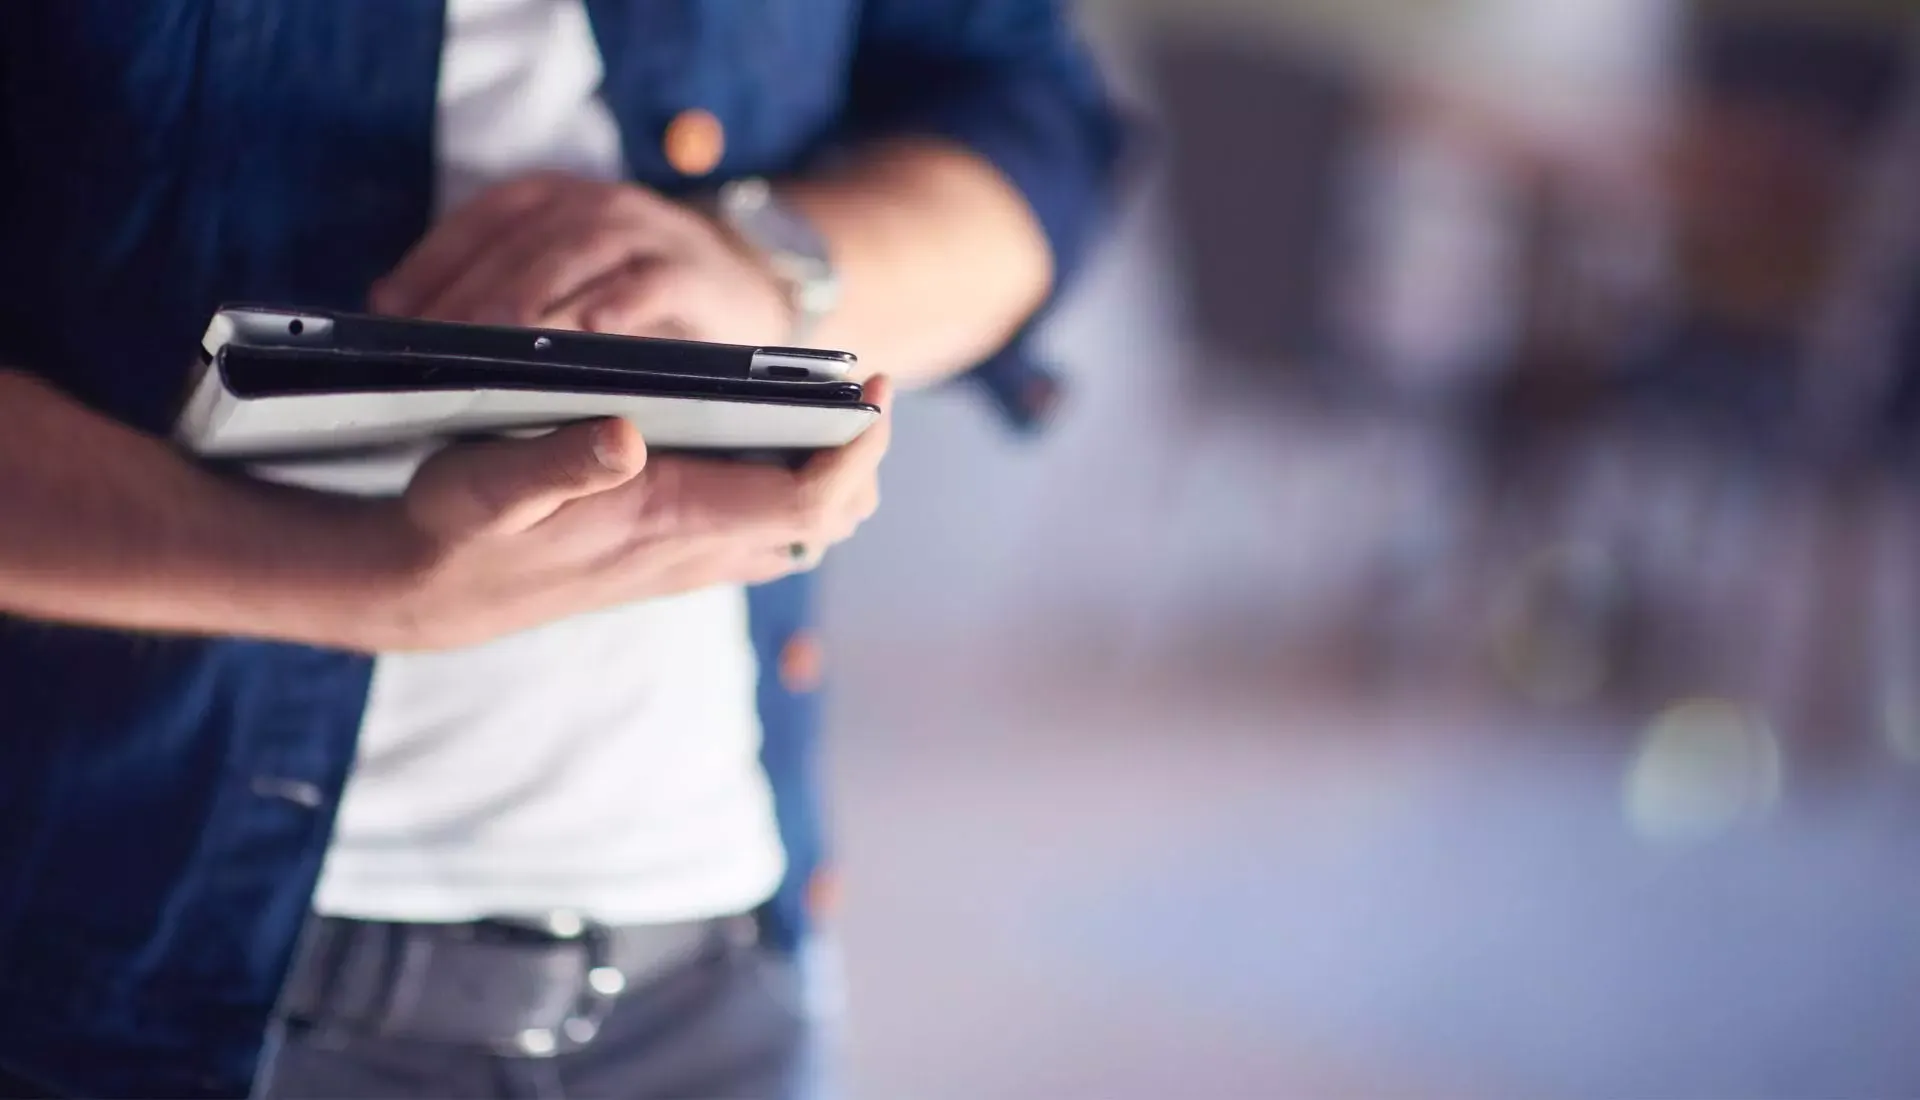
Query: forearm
pixel 103 526
pixel 941 261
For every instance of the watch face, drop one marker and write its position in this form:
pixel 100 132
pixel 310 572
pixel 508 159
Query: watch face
pixel 781 232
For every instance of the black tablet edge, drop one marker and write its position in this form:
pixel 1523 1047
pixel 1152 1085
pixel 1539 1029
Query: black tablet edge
pixel 565 378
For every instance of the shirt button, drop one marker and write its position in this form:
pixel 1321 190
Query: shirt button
pixel 694 142
pixel 802 664
pixel 823 894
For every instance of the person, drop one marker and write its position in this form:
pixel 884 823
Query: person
pixel 455 793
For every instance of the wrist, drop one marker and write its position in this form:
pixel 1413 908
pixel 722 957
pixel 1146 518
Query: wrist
pixel 787 246
pixel 354 581
pixel 766 280
pixel 390 566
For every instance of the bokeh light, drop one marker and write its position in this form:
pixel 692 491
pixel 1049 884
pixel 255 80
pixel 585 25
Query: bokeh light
pixel 1702 767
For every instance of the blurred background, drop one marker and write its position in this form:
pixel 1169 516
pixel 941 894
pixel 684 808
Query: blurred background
pixel 1459 637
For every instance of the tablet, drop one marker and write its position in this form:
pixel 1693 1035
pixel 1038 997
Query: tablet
pixel 278 385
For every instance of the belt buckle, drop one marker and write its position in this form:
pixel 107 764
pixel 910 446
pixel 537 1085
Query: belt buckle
pixel 600 987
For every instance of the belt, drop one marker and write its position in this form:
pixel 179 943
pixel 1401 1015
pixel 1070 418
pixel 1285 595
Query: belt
pixel 525 988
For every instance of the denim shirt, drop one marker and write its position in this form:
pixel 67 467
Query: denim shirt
pixel 165 803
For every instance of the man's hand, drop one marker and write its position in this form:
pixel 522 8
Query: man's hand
pixel 108 527
pixel 554 251
pixel 517 533
pixel 513 534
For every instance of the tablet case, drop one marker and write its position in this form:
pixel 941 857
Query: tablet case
pixel 254 401
pixel 357 405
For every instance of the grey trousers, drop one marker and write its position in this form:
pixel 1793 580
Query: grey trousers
pixel 730 1025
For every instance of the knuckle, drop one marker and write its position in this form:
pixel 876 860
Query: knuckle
pixel 493 497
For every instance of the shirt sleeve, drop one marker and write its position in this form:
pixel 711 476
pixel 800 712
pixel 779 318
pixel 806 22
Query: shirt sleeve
pixel 1010 80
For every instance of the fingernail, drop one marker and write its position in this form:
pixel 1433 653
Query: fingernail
pixel 607 446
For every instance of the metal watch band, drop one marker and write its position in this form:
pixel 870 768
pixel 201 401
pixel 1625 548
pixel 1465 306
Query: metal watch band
pixel 791 248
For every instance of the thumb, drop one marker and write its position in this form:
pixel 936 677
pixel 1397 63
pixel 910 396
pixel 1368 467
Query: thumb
pixel 510 485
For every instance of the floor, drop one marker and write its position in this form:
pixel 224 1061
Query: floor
pixel 1230 888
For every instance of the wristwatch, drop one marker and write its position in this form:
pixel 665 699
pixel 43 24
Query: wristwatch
pixel 791 247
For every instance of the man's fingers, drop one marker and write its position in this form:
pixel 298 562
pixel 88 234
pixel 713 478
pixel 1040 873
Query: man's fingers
pixel 520 250
pixel 707 496
pixel 872 443
pixel 478 294
pixel 855 461
pixel 634 300
pixel 433 265
pixel 880 392
pixel 512 485
pixel 839 490
pixel 559 278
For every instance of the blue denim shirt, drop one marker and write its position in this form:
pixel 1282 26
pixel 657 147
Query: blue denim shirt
pixel 165 803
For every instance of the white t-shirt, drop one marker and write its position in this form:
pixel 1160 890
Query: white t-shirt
pixel 609 763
